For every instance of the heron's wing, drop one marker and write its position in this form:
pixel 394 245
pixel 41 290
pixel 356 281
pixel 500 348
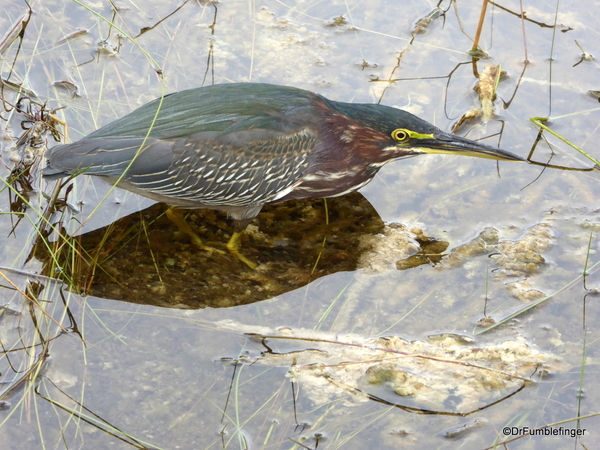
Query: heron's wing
pixel 212 168
pixel 259 172
pixel 252 140
pixel 222 108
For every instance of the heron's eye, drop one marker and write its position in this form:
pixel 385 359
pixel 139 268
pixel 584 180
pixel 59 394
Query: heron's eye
pixel 400 135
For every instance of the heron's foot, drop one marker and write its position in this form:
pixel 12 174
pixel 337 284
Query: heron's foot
pixel 234 248
pixel 176 216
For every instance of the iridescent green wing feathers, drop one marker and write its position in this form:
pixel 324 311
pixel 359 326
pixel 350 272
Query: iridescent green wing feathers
pixel 221 108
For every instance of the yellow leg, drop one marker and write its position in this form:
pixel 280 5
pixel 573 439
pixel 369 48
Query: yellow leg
pixel 176 216
pixel 234 248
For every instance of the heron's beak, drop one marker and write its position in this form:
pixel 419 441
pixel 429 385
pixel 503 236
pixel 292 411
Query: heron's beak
pixel 455 145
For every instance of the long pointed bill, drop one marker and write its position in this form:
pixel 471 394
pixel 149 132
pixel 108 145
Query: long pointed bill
pixel 455 145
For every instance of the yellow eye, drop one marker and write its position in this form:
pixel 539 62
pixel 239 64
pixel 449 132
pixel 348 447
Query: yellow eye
pixel 400 134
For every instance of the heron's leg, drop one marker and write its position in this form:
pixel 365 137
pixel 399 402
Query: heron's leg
pixel 235 242
pixel 176 216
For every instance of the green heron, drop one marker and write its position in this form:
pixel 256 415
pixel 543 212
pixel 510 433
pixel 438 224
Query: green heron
pixel 235 147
